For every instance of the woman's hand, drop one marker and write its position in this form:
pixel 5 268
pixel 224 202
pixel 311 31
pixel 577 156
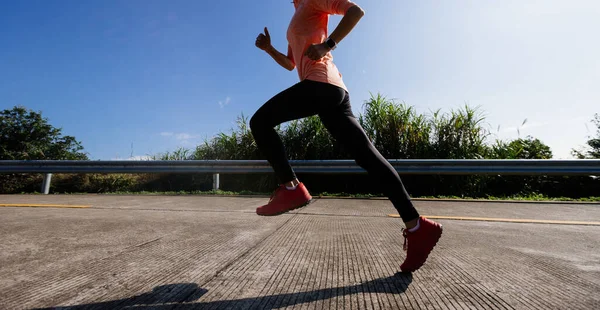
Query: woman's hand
pixel 317 51
pixel 263 41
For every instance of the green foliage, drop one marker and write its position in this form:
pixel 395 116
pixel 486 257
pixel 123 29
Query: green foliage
pixel 239 144
pixel 459 135
pixel 396 130
pixel 26 135
pixel 522 148
pixel 593 144
pixel 179 154
pixel 103 183
pixel 309 139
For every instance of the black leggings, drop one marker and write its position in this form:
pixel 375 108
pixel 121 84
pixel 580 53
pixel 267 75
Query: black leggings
pixel 332 104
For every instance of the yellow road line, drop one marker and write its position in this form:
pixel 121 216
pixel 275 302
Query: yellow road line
pixel 488 219
pixel 36 205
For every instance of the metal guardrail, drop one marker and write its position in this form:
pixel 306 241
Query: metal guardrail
pixel 569 167
pixel 403 166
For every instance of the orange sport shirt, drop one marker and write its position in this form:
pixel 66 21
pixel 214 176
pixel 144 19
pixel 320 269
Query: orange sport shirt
pixel 309 26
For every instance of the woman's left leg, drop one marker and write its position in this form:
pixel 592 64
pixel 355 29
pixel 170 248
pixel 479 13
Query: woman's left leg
pixel 421 234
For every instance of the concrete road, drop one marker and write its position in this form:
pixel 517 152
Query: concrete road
pixel 198 252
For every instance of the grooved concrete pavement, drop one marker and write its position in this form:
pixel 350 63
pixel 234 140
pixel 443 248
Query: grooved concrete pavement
pixel 197 252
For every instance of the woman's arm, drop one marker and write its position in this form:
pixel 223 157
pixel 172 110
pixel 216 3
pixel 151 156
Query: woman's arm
pixel 263 41
pixel 281 59
pixel 350 19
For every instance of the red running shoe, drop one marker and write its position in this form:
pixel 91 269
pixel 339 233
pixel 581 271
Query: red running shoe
pixel 419 244
pixel 284 200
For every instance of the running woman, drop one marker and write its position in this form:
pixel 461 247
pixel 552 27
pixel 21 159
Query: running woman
pixel 322 92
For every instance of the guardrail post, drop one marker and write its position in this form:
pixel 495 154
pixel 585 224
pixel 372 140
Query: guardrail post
pixel 215 181
pixel 46 184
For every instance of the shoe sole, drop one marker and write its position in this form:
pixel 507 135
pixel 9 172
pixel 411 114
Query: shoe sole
pixel 288 210
pixel 427 255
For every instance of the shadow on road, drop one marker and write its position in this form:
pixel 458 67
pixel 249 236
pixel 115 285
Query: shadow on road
pixel 183 295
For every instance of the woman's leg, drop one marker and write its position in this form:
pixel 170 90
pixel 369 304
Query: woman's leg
pixel 421 234
pixel 301 100
pixel 345 128
pixel 292 103
pixel 304 99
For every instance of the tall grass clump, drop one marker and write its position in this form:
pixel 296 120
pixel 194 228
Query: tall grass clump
pixel 398 131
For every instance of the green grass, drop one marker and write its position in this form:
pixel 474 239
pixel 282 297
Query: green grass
pixel 532 197
pixel 521 198
pixel 205 193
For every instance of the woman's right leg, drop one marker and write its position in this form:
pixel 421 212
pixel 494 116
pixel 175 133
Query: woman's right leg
pixel 301 100
pixel 296 102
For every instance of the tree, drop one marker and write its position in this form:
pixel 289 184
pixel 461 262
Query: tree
pixel 26 135
pixel 593 143
pixel 530 148
pixel 522 148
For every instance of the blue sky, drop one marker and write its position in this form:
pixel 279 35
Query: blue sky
pixel 143 77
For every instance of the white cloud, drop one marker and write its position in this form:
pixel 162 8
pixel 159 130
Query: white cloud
pixel 178 135
pixel 133 158
pixel 528 125
pixel 187 143
pixel 224 103
pixel 140 158
pixel 181 137
pixel 184 136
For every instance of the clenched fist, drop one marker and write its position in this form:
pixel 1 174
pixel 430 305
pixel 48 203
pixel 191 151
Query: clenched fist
pixel 263 41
